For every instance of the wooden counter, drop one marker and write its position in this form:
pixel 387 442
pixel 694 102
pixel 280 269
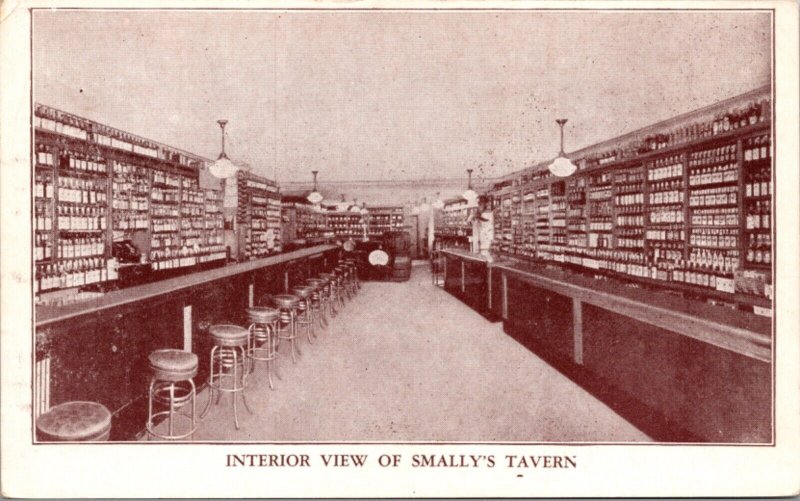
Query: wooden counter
pixel 727 328
pixel 469 277
pixel 681 370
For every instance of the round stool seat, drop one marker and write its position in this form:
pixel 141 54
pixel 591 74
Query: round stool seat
pixel 173 365
pixel 303 291
pixel 286 301
pixel 326 276
pixel 75 421
pixel 229 335
pixel 263 315
pixel 315 282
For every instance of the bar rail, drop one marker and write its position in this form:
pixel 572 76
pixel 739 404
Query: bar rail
pixel 49 314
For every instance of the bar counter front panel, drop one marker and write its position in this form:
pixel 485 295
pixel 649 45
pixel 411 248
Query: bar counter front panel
pixel 98 350
pixel 679 369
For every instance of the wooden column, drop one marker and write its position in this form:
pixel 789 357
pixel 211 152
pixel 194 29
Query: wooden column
pixel 505 297
pixel 577 330
pixel 187 327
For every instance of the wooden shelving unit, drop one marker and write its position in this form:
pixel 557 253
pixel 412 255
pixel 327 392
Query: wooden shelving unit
pixel 94 185
pixel 687 207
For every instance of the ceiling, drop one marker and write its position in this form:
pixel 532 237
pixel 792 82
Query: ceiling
pixel 391 95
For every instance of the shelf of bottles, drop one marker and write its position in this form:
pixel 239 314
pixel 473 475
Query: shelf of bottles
pixel 130 205
pixel 310 221
pixel 455 219
pixel 502 222
pixel 382 220
pixel 71 192
pixel 757 220
pixel 688 209
pixel 259 208
pixel 213 227
pixel 527 225
pixel 94 184
pixel 346 224
pixel 165 220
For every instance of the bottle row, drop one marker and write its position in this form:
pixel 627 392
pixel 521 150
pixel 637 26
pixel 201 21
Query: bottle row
pixel 43 246
pixel 725 195
pixel 759 182
pixel 122 186
pixel 720 238
pixel 666 168
pixel 759 248
pixel 728 216
pixel 722 155
pixel 81 246
pixel 43 185
pixel 81 218
pixel 140 203
pixel 166 178
pixel 127 221
pixel 76 161
pixel 757 215
pixel 75 273
pixel 757 149
pixel 726 173
pixel 82 191
pixel 666 197
pixel 167 196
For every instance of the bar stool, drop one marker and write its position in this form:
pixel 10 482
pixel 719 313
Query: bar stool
pixel 228 362
pixel 305 315
pixel 329 292
pixel 351 263
pixel 77 421
pixel 315 299
pixel 172 384
pixel 340 289
pixel 343 280
pixel 263 340
pixel 287 304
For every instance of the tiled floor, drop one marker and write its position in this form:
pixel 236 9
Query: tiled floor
pixel 408 362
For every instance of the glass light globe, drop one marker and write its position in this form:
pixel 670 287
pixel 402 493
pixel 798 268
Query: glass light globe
pixel 223 168
pixel 315 197
pixel 562 167
pixel 471 197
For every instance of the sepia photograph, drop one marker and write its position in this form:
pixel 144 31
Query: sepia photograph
pixel 476 239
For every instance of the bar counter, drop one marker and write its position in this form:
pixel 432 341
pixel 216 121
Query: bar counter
pixel 97 350
pixel 46 314
pixel 470 278
pixel 680 369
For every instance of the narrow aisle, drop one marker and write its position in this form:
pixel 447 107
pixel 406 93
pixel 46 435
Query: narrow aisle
pixel 408 362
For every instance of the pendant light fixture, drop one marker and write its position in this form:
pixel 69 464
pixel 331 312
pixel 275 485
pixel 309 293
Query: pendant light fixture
pixel 470 195
pixel 223 168
pixel 438 203
pixel 315 197
pixel 562 166
pixel 342 206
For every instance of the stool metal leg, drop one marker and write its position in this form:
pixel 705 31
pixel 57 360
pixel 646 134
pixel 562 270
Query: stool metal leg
pixel 235 414
pixel 244 382
pixel 210 384
pixel 171 409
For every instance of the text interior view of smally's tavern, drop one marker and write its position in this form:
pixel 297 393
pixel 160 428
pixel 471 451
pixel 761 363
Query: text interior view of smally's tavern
pixel 471 241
